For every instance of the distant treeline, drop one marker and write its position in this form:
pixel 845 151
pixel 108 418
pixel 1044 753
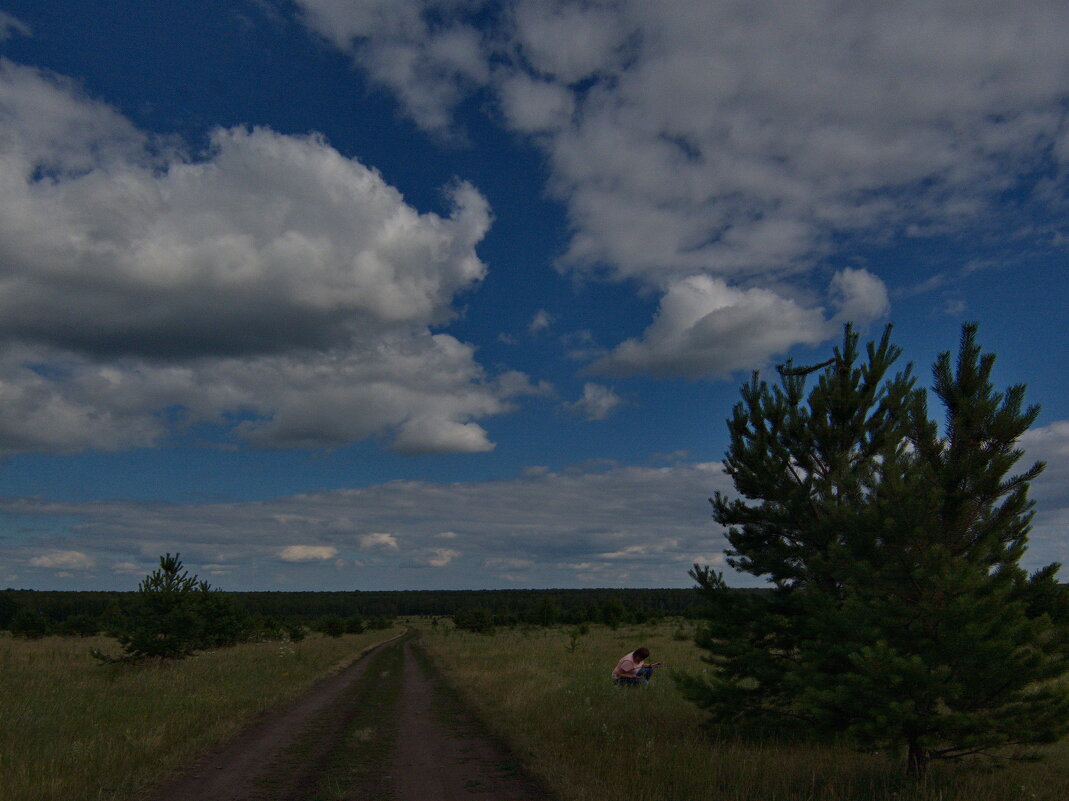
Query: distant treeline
pixel 540 607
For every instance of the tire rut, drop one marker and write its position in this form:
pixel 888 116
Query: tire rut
pixel 246 767
pixel 386 727
pixel 443 753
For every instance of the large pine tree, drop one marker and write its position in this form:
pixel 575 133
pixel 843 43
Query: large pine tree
pixel 899 614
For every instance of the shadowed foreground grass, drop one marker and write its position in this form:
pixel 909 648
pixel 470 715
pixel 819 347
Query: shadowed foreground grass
pixel 591 741
pixel 73 730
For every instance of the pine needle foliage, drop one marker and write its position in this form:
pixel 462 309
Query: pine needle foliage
pixel 173 615
pixel 898 614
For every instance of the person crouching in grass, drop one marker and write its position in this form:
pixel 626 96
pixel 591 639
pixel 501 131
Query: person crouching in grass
pixel 632 670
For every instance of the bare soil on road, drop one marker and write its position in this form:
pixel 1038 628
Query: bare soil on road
pixel 386 727
pixel 443 753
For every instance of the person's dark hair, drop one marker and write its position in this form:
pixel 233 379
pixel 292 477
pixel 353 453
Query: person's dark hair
pixel 642 653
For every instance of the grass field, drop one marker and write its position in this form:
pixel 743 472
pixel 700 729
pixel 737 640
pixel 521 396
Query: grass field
pixel 591 741
pixel 74 730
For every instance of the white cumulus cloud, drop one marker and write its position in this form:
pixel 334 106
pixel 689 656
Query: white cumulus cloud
pixel 68 560
pixel 308 553
pixel 430 557
pixel 744 142
pixel 1049 444
pixel 270 285
pixel 596 403
pixel 431 64
pixel 532 105
pixel 541 320
pixel 440 557
pixel 706 328
pixel 378 541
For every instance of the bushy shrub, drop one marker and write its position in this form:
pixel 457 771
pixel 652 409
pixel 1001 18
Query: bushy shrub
pixel 81 625
pixel 479 621
pixel 613 613
pixel 332 625
pixel 264 629
pixel 295 632
pixel 28 625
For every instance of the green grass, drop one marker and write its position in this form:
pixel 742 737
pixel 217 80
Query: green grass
pixel 74 730
pixel 591 741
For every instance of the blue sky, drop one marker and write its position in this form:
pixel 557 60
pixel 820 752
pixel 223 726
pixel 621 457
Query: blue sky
pixel 372 294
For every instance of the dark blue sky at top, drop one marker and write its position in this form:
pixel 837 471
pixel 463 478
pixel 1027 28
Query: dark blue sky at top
pixel 182 69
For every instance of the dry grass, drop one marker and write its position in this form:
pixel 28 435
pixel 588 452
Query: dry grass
pixel 591 741
pixel 73 730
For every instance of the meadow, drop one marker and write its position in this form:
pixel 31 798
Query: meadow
pixel 75 730
pixel 547 693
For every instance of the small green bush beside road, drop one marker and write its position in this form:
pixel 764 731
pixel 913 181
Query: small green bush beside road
pixel 172 615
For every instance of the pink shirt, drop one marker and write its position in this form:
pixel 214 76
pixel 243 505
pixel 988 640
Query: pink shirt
pixel 627 666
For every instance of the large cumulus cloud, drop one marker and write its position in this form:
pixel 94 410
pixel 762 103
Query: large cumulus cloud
pixel 744 142
pixel 706 328
pixel 271 285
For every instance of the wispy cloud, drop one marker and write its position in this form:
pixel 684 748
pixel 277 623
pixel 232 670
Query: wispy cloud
pixel 12 26
pixel 540 322
pixel 742 144
pixel 596 403
pixel 606 523
pixel 535 523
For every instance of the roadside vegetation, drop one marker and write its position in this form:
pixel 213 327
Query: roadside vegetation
pixel 898 628
pixel 547 693
pixel 76 730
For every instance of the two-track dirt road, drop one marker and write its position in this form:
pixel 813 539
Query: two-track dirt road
pixel 386 727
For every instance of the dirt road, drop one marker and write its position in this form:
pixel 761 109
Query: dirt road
pixel 386 728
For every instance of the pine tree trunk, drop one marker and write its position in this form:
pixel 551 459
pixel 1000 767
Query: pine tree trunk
pixel 917 761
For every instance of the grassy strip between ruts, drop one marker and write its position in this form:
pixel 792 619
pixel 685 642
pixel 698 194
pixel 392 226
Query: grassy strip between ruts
pixel 346 751
pixel 74 730
pixel 549 696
